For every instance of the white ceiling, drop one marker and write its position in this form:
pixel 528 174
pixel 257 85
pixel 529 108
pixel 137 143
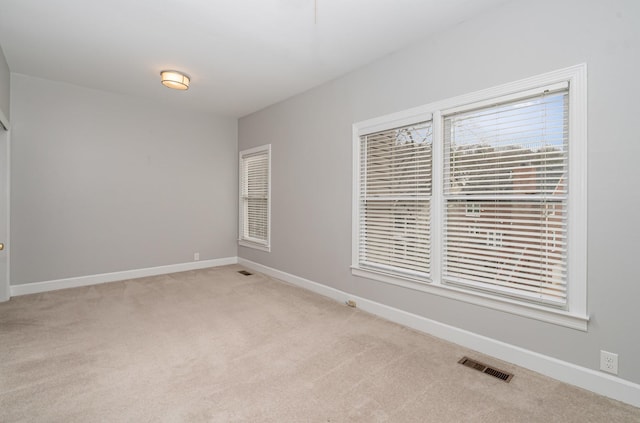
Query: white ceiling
pixel 242 55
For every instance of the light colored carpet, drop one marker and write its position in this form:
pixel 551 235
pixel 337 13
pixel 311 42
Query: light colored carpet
pixel 216 346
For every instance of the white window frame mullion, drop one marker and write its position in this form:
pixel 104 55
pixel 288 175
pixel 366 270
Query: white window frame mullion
pixel 437 193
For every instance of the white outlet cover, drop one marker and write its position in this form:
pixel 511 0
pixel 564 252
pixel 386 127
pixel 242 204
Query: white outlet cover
pixel 609 362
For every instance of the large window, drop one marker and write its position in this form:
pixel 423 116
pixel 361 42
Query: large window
pixel 509 162
pixel 254 206
pixel 480 198
pixel 395 192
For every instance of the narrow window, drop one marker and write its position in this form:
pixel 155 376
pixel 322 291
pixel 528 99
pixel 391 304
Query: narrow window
pixel 254 206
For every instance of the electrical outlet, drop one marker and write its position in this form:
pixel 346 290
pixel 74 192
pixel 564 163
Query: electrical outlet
pixel 196 256
pixel 609 362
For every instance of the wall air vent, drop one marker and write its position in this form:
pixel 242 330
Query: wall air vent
pixel 491 371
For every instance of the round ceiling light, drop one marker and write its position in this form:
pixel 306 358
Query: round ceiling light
pixel 175 80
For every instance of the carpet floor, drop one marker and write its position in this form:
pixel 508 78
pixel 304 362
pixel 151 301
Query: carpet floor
pixel 213 345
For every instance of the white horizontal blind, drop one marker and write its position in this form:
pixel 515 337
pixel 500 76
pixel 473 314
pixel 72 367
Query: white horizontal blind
pixel 505 193
pixel 395 200
pixel 254 188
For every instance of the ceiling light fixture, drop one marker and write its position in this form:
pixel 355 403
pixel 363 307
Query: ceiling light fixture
pixel 175 80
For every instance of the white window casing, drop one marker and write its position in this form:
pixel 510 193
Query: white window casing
pixel 500 221
pixel 254 220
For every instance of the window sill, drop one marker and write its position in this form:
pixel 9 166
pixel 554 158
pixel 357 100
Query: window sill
pixel 254 245
pixel 507 305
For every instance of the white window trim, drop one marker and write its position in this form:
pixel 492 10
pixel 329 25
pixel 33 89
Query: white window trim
pixel 575 315
pixel 251 242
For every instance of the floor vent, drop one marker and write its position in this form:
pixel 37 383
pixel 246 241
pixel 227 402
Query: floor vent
pixel 245 272
pixel 500 374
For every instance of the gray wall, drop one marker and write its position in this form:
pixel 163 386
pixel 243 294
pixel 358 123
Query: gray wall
pixel 102 183
pixel 5 78
pixel 311 141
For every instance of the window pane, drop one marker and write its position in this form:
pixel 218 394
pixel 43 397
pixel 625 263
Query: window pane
pixel 256 209
pixel 518 247
pixel 396 234
pixel 514 148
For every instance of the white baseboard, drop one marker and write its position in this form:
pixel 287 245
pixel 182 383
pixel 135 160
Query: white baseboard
pixel 36 287
pixel 600 383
